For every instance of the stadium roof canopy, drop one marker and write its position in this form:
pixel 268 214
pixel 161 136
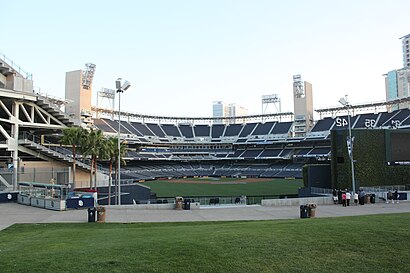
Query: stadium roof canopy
pixel 362 107
pixel 108 112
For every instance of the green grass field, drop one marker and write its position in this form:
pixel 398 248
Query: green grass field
pixel 377 243
pixel 220 187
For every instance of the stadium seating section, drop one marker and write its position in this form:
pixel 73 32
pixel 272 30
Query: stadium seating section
pixel 255 149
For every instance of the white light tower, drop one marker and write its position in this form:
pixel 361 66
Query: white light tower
pixel 121 87
pixel 345 103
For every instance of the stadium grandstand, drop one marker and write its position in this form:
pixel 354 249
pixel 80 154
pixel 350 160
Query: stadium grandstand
pixel 260 146
pixel 253 149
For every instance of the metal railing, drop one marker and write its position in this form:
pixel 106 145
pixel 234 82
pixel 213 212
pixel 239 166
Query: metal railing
pixel 59 151
pixel 226 200
pixel 52 175
pixel 324 191
pixel 13 65
pixel 384 188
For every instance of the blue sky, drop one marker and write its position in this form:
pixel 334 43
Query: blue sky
pixel 180 56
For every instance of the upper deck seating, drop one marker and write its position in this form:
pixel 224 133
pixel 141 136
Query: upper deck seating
pixel 384 118
pixel 202 131
pixel 247 130
pixel 366 121
pixel 155 129
pixel 263 128
pixel 171 130
pixel 323 125
pixel 103 126
pixel 129 128
pixel 396 120
pixel 142 129
pixel 186 131
pixel 112 123
pixel 233 130
pixel 342 122
pixel 282 128
pixel 217 130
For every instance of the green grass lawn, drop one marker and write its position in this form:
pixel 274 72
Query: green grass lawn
pixel 274 187
pixel 377 243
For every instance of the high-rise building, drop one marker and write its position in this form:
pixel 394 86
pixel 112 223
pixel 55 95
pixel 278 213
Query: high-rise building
pixel 397 82
pixel 218 111
pixel 235 111
pixel 405 40
pixel 223 110
pixel 303 106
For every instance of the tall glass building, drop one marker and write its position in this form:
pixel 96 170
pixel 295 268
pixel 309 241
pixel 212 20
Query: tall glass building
pixel 405 40
pixel 398 81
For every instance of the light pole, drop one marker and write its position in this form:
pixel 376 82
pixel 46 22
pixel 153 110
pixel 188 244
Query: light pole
pixel 345 103
pixel 121 87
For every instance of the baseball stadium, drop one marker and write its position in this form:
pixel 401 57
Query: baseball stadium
pixel 66 155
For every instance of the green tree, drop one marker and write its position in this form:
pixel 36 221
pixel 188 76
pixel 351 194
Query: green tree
pixel 73 136
pixel 93 147
pixel 109 151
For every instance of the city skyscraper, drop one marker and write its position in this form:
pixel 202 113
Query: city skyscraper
pixel 405 40
pixel 223 110
pixel 397 82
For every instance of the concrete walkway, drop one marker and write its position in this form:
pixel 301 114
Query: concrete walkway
pixel 12 213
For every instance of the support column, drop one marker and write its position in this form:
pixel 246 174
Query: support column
pixel 15 136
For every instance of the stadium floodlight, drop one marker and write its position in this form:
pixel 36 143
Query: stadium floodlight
pixel 346 104
pixel 343 101
pixel 121 86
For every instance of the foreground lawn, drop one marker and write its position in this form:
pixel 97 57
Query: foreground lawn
pixel 377 243
pixel 274 187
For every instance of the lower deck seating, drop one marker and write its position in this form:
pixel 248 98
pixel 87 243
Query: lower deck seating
pixel 141 171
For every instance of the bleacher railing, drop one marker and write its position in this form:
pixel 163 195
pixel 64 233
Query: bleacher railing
pixel 13 65
pixel 59 151
pixel 384 188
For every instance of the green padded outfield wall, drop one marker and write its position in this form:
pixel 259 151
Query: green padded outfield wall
pixel 371 151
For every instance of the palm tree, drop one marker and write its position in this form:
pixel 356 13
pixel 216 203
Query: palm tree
pixel 93 142
pixel 73 136
pixel 109 152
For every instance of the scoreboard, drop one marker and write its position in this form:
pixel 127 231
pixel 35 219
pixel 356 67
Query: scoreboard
pixel 398 147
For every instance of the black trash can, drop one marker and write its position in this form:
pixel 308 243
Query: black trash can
pixel 187 204
pixel 373 198
pixel 91 215
pixel 304 211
